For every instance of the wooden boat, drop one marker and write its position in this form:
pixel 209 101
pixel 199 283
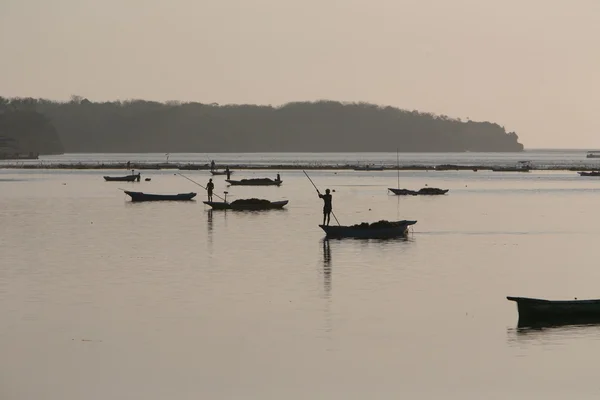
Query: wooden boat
pixel 592 154
pixel 539 311
pixel 376 230
pixel 247 204
pixel 220 172
pixel 139 196
pixel 255 182
pixel 592 173
pixel 422 191
pixel 127 178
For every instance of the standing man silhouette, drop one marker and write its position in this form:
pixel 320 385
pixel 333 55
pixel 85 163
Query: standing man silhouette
pixel 326 206
pixel 209 188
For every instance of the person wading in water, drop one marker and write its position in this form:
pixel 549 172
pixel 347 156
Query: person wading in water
pixel 209 188
pixel 326 206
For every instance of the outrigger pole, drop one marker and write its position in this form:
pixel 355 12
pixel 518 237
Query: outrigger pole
pixel 336 220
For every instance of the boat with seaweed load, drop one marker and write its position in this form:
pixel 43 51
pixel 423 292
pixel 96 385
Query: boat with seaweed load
pixel 539 311
pixel 255 182
pixel 376 230
pixel 422 192
pixel 591 173
pixel 139 196
pixel 247 204
pixel 127 178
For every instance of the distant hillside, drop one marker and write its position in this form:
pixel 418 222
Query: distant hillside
pixel 322 126
pixel 25 131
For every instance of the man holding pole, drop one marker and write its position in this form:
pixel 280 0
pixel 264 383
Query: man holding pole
pixel 326 205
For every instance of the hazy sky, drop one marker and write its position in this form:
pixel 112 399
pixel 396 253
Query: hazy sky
pixel 530 65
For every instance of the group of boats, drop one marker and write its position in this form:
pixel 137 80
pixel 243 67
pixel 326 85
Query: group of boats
pixel 376 230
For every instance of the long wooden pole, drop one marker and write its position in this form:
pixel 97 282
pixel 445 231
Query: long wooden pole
pixel 200 186
pixel 398 167
pixel 332 213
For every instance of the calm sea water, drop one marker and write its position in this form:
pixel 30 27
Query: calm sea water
pixel 104 299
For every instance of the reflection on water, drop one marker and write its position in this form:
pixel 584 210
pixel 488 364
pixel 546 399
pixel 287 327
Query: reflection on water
pixel 551 334
pixel 326 267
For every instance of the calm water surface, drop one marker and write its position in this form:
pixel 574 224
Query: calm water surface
pixel 104 299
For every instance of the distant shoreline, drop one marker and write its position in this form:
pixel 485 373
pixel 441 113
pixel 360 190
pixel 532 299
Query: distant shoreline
pixel 282 167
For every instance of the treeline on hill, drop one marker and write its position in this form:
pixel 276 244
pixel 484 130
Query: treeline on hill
pixel 23 131
pixel 322 126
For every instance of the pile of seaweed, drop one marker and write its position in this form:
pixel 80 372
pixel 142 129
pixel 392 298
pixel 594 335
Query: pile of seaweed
pixel 431 191
pixel 378 225
pixel 251 201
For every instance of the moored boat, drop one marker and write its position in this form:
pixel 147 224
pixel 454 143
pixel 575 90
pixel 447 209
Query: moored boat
pixel 592 154
pixel 522 166
pixel 422 191
pixel 375 230
pixel 127 178
pixel 215 172
pixel 255 182
pixel 540 311
pixel 247 204
pixel 139 196
pixel 592 173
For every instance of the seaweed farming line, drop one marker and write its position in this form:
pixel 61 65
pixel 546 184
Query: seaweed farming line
pixel 569 166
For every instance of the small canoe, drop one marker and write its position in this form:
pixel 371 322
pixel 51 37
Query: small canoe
pixel 247 204
pixel 220 172
pixel 592 173
pixel 139 196
pixel 127 178
pixel 422 192
pixel 255 182
pixel 376 230
pixel 539 311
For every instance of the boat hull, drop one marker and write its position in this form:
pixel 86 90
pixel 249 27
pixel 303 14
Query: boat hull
pixel 254 182
pixel 128 178
pixel 139 196
pixel 421 192
pixel 220 205
pixel 554 312
pixel 593 173
pixel 221 172
pixel 339 232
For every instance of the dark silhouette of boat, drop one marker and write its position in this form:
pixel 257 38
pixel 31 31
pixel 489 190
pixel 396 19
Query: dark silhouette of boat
pixel 592 154
pixel 375 230
pixel 247 204
pixel 215 172
pixel 592 173
pixel 423 192
pixel 556 312
pixel 127 178
pixel 139 196
pixel 255 182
